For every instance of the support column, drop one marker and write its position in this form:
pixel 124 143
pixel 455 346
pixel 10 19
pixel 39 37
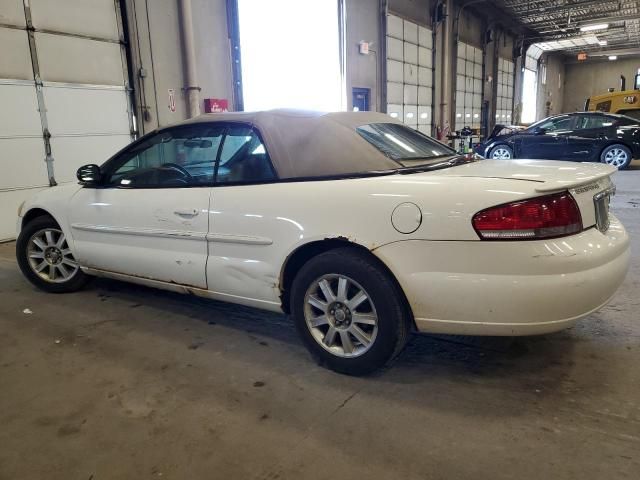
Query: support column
pixel 192 90
pixel 445 63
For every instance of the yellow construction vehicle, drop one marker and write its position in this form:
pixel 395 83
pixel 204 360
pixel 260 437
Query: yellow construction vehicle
pixel 624 102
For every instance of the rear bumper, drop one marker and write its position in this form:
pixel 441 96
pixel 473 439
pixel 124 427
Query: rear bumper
pixel 509 288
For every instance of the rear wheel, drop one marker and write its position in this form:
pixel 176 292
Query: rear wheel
pixel 349 312
pixel 617 156
pixel 45 258
pixel 501 152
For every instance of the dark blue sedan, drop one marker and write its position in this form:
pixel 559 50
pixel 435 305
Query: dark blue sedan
pixel 581 136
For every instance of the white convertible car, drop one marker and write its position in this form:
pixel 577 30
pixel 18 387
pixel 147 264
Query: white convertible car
pixel 359 227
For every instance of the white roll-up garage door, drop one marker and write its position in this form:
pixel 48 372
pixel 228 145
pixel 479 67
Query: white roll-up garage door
pixel 468 86
pixel 63 91
pixel 409 73
pixel 504 97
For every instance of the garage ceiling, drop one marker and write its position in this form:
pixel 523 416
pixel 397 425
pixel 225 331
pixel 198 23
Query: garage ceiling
pixel 557 23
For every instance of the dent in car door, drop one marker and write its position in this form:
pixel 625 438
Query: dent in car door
pixel 152 233
pixel 245 229
pixel 244 240
pixel 151 219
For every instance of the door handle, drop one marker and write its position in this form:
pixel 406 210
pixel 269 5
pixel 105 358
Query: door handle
pixel 186 212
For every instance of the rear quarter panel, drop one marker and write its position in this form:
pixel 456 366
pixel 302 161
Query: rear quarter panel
pixel 255 228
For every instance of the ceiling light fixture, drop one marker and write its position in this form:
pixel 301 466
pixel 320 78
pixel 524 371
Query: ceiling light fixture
pixel 591 28
pixel 613 57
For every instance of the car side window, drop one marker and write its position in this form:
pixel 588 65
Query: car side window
pixel 556 124
pixel 634 116
pixel 243 158
pixel 179 157
pixel 594 121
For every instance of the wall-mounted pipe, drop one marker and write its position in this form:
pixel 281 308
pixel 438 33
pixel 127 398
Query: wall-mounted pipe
pixel 191 88
pixel 446 94
pixel 434 27
pixel 487 109
pixel 381 58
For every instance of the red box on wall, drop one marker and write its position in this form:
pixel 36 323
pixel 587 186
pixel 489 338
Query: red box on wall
pixel 216 105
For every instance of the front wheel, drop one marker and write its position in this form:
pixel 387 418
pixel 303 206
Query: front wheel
pixel 348 311
pixel 44 257
pixel 501 152
pixel 617 156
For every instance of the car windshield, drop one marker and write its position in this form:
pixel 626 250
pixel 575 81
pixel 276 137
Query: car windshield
pixel 406 146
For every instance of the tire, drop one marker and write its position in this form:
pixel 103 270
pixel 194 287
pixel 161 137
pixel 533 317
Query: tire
pixel 501 152
pixel 376 328
pixel 40 244
pixel 617 156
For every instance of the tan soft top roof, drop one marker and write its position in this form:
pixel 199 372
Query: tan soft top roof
pixel 312 144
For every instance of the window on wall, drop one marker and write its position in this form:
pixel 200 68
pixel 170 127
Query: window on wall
pixel 468 86
pixel 504 98
pixel 409 73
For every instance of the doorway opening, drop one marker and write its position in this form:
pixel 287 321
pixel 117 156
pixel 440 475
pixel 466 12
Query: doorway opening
pixel 291 54
pixel 529 96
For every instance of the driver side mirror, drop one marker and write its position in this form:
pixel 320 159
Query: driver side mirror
pixel 89 175
pixel 539 131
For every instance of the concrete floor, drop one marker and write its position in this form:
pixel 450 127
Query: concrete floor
pixel 122 382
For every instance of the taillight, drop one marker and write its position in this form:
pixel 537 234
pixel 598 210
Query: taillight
pixel 542 217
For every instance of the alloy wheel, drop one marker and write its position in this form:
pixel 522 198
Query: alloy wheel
pixel 50 257
pixel 501 154
pixel 616 157
pixel 340 315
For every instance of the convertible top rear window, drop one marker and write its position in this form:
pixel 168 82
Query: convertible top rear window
pixel 402 143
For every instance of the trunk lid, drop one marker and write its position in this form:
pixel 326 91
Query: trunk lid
pixel 550 175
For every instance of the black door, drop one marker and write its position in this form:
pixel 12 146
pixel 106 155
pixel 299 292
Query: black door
pixel 588 135
pixel 546 139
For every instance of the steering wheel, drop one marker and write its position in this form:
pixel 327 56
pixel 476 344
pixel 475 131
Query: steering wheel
pixel 179 168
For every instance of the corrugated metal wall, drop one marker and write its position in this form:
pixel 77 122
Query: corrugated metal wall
pixel 62 76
